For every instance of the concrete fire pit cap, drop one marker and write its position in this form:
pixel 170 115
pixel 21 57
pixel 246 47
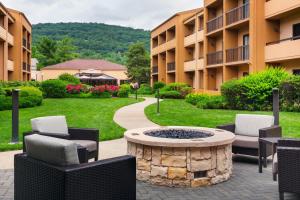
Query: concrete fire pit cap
pixel 219 137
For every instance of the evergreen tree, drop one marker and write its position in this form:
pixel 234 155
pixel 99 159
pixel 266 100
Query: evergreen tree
pixel 138 63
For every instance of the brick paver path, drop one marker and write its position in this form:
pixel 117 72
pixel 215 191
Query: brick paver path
pixel 245 184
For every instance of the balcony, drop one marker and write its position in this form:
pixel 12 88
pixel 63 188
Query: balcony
pixel 215 58
pixel 28 67
pixel 24 66
pixel 200 35
pixel 285 49
pixel 200 63
pixel 215 24
pixel 154 69
pixel 237 14
pixel 2 33
pixel 171 67
pixel 237 54
pixel 190 65
pixel 28 45
pixel 10 65
pixel 189 40
pixel 275 8
pixel 10 39
pixel 24 43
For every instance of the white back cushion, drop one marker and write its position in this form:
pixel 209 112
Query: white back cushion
pixel 52 150
pixel 249 125
pixel 57 125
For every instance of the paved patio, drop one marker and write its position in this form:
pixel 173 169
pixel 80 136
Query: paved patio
pixel 246 183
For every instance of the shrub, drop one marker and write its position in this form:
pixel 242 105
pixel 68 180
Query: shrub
pixel 69 78
pixel 290 94
pixel 54 88
pixel 182 88
pixel 74 89
pixel 145 89
pixel 195 98
pixel 124 90
pixel 170 95
pixel 29 97
pixel 253 92
pixel 13 84
pixel 158 85
pixel 105 91
pixel 212 102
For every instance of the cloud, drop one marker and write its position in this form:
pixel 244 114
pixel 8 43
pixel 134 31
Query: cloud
pixel 144 14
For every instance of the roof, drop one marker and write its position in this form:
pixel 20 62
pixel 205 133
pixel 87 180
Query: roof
pixel 21 13
pixel 86 64
pixel 177 14
pixel 1 4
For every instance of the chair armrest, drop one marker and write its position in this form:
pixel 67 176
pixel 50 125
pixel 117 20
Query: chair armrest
pixel 40 133
pixel 273 131
pixel 227 127
pixel 289 143
pixel 84 134
pixel 107 179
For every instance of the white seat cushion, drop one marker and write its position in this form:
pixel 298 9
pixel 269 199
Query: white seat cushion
pixel 88 144
pixel 52 150
pixel 249 125
pixel 246 142
pixel 56 125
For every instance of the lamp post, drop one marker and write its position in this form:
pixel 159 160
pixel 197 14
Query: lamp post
pixel 15 116
pixel 158 106
pixel 276 106
pixel 135 86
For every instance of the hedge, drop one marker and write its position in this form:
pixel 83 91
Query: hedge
pixel 253 92
pixel 54 88
pixel 69 78
pixel 29 97
pixel 175 91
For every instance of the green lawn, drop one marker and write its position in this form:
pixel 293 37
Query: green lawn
pixel 85 113
pixel 180 113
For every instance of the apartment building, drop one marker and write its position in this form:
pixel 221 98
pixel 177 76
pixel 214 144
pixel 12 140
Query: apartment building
pixel 15 45
pixel 229 39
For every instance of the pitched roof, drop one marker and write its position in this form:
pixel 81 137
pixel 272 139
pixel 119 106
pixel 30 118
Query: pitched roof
pixel 86 64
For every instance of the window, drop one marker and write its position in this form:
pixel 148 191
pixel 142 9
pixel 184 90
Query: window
pixel 296 31
pixel 296 72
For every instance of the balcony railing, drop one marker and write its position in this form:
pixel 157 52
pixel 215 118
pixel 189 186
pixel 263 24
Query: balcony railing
pixel 215 24
pixel 237 14
pixel 283 40
pixel 24 42
pixel 28 45
pixel 24 66
pixel 154 69
pixel 215 58
pixel 171 66
pixel 237 54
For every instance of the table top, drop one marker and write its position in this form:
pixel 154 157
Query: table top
pixel 270 140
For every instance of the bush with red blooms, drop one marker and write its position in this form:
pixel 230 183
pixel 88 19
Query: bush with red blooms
pixel 105 90
pixel 74 89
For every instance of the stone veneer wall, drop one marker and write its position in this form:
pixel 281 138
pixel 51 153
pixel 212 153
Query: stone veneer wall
pixel 177 166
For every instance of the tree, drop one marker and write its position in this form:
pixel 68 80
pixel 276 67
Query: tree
pixel 138 63
pixel 49 52
pixel 45 52
pixel 65 50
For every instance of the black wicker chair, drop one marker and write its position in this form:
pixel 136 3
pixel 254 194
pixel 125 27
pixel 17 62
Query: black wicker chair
pixel 111 179
pixel 253 150
pixel 75 134
pixel 288 153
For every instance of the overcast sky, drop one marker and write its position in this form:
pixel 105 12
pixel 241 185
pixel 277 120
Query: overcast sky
pixel 144 14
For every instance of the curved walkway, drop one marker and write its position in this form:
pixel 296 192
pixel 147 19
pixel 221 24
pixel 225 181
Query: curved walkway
pixel 133 116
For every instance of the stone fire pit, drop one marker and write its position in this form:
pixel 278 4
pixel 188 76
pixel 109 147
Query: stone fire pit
pixel 181 156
